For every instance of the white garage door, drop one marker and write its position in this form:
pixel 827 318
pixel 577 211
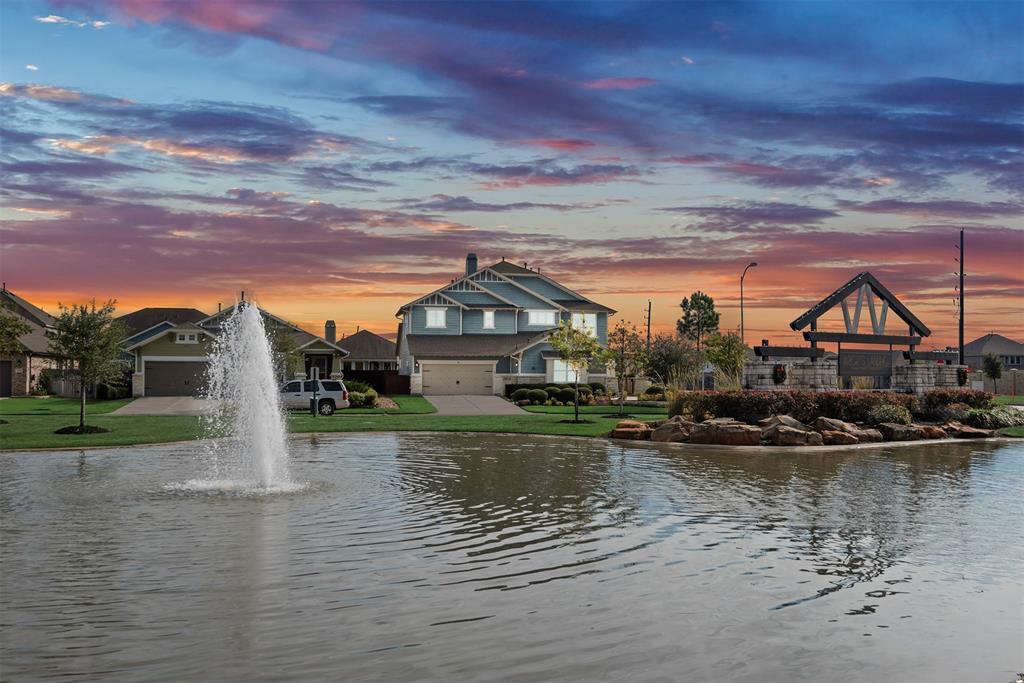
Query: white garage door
pixel 450 379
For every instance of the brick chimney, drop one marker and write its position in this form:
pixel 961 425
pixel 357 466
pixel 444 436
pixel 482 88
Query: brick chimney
pixel 471 264
pixel 330 331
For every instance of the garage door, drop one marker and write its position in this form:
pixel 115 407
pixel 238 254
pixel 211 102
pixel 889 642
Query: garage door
pixel 448 379
pixel 170 378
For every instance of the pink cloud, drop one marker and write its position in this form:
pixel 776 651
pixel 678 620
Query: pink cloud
pixel 619 83
pixel 562 144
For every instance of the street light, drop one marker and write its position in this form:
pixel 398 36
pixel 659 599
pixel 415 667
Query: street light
pixel 743 336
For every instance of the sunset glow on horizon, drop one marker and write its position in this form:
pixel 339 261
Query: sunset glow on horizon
pixel 338 160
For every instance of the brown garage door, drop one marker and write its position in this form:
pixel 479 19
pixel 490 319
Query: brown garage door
pixel 171 378
pixel 448 379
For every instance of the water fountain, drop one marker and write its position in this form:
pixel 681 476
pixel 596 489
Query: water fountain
pixel 246 446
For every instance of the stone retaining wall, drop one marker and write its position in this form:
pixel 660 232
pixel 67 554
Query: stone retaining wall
pixel 820 376
pixel 920 377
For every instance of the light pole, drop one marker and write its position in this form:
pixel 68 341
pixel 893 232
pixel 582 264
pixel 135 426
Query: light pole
pixel 743 331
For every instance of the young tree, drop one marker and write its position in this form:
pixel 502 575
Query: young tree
pixel 992 366
pixel 579 350
pixel 627 352
pixel 286 354
pixel 728 354
pixel 87 340
pixel 700 319
pixel 12 327
pixel 674 362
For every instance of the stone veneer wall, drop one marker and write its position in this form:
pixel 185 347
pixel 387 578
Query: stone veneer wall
pixel 25 371
pixel 416 384
pixel 820 376
pixel 920 377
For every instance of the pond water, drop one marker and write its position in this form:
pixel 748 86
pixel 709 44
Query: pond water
pixel 418 557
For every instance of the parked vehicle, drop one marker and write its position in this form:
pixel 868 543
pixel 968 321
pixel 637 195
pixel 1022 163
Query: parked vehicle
pixel 331 395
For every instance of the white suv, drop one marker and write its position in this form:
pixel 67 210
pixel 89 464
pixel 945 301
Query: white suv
pixel 331 395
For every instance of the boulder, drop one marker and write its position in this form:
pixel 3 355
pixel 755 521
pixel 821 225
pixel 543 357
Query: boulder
pixel 829 424
pixel 631 430
pixel 781 435
pixel 725 432
pixel 892 431
pixel 831 437
pixel 675 430
pixel 958 430
pixel 931 432
pixel 784 420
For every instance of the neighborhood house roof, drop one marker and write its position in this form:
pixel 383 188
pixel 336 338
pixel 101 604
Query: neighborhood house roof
pixel 145 318
pixel 26 310
pixel 488 346
pixel 35 340
pixel 993 343
pixel 365 345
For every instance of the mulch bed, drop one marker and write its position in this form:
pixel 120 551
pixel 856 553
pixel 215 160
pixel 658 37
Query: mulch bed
pixel 79 430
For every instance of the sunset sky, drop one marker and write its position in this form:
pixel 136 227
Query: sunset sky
pixel 338 159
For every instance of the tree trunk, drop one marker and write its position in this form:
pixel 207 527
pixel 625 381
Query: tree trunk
pixel 81 406
pixel 576 401
pixel 622 395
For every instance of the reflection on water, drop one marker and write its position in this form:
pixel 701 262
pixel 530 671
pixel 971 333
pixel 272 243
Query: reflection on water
pixel 471 557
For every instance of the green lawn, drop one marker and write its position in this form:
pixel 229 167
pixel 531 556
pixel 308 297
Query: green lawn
pixel 1010 400
pixel 407 405
pixel 655 411
pixel 1012 431
pixel 32 405
pixel 515 424
pixel 36 431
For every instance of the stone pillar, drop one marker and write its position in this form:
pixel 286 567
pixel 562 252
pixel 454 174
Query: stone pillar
pixel 918 378
pixel 138 385
pixel 804 375
pixel 416 384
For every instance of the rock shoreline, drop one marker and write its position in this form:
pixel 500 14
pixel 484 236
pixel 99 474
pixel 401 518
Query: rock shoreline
pixel 784 430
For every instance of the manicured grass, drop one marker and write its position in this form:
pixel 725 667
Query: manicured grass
pixel 407 405
pixel 1010 400
pixel 36 431
pixel 515 424
pixel 1012 431
pixel 53 405
pixel 598 410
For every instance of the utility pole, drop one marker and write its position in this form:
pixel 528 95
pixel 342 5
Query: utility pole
pixel 648 325
pixel 961 297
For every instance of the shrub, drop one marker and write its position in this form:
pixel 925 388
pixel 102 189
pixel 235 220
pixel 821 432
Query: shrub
pixel 537 395
pixel 996 418
pixel 356 385
pixel 598 388
pixel 654 389
pixel 371 398
pixel 692 404
pixel 779 373
pixel 889 412
pixel 750 406
pixel 951 412
pixel 520 395
pixel 854 406
pixel 585 390
pixel 933 401
pixel 356 399
pixel 567 395
pixel 552 391
pixel 961 376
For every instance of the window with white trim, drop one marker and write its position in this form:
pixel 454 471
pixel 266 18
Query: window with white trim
pixel 542 318
pixel 488 320
pixel 437 317
pixel 562 372
pixel 586 322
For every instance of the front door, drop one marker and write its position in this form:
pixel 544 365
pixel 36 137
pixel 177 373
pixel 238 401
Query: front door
pixel 6 375
pixel 320 361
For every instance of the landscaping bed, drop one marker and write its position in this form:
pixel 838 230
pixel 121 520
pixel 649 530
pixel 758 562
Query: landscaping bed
pixel 801 418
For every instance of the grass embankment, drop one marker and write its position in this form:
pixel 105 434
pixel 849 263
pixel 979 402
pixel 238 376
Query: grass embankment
pixel 1012 431
pixel 407 405
pixel 33 423
pixel 53 405
pixel 1010 400
pixel 645 412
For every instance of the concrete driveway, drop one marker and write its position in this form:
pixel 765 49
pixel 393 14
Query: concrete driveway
pixel 163 405
pixel 474 405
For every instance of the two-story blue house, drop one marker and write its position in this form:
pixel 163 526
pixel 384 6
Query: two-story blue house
pixel 489 328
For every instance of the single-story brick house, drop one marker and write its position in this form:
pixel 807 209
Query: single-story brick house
pixel 170 358
pixel 20 372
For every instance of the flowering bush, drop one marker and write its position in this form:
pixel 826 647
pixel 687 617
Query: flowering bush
pixel 779 373
pixel 961 376
pixel 889 412
pixel 751 406
pixel 933 401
